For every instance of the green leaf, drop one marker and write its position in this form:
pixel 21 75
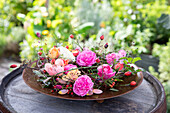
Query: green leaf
pixel 113 89
pixel 125 61
pixel 136 59
pixel 138 70
pixel 84 27
pixel 165 20
pixel 123 58
pixel 38 28
pixel 130 59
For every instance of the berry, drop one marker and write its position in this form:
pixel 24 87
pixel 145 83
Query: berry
pixel 71 93
pixel 40 53
pixel 106 45
pixel 75 52
pixel 71 36
pixel 54 87
pixel 97 60
pixel 111 86
pixel 113 83
pixel 44 71
pixel 13 66
pixel 67 85
pixel 128 73
pixel 42 58
pixel 67 47
pixel 102 37
pixel 133 83
pixel 52 91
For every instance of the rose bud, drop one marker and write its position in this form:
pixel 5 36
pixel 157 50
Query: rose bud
pixel 102 37
pixel 40 53
pixel 97 60
pixel 119 65
pixel 53 61
pixel 71 36
pixel 53 53
pixel 106 45
pixel 13 66
pixel 133 83
pixel 75 52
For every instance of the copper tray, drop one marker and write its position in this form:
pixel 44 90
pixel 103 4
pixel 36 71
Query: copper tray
pixel 31 80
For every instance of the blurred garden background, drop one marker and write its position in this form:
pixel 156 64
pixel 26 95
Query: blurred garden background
pixel 140 26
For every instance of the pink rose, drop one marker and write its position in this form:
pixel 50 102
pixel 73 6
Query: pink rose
pixel 53 70
pixel 82 85
pixel 86 58
pixel 110 58
pixel 58 86
pixel 105 71
pixel 68 67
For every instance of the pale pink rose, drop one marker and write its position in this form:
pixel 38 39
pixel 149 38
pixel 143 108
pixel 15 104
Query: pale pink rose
pixel 105 71
pixel 52 69
pixel 86 58
pixel 59 62
pixel 110 58
pixel 68 67
pixel 82 85
pixel 59 69
pixel 122 53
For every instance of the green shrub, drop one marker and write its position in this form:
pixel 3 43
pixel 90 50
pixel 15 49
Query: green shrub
pixel 162 51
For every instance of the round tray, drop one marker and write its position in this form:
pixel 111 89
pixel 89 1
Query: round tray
pixel 31 80
pixel 16 96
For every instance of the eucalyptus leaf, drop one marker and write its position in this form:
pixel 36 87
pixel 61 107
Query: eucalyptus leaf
pixel 113 89
pixel 38 73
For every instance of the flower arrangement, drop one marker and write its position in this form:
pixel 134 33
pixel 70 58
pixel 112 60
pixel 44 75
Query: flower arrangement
pixel 82 71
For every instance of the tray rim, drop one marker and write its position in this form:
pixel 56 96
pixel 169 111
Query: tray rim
pixel 82 99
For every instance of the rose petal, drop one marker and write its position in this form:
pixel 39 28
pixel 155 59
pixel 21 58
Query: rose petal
pixel 63 91
pixel 97 91
pixel 61 81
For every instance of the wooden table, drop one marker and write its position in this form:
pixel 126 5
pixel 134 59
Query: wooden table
pixel 16 96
